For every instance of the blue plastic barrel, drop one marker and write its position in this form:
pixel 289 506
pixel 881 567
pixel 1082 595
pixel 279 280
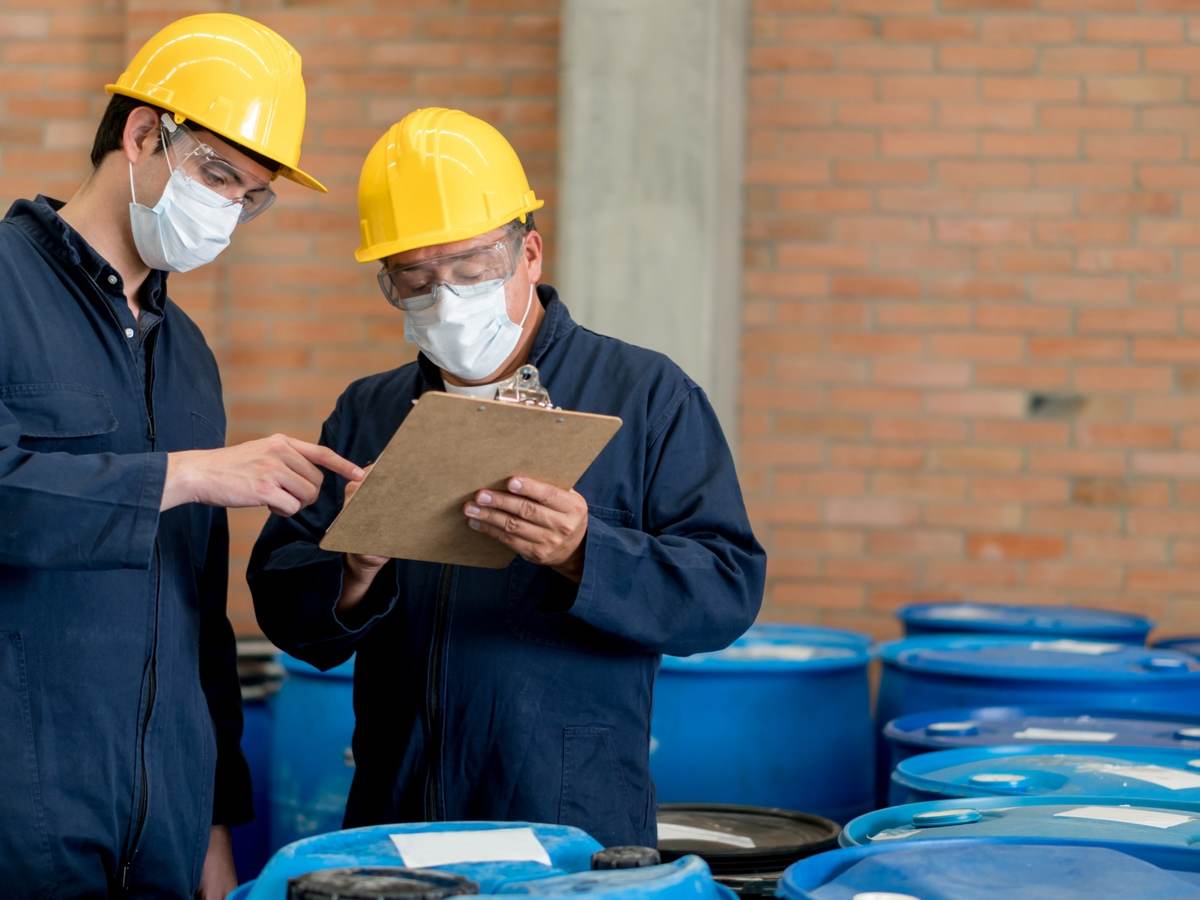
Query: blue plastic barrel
pixel 312 763
pixel 1150 775
pixel 942 672
pixel 989 726
pixel 568 851
pixel 1050 818
pixel 780 719
pixel 996 869
pixel 1189 645
pixel 260 674
pixel 1034 621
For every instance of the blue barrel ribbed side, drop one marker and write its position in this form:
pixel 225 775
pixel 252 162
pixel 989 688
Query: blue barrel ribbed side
pixel 780 719
pixel 312 763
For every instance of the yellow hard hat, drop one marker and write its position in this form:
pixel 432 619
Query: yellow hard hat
pixel 230 75
pixel 437 176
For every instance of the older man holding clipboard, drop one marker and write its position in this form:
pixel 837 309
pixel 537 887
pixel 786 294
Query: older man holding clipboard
pixel 521 692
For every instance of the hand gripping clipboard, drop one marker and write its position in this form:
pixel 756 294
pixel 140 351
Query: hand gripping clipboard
pixel 411 504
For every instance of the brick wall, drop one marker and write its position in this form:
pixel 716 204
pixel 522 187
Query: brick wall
pixel 971 344
pixel 971 348
pixel 292 318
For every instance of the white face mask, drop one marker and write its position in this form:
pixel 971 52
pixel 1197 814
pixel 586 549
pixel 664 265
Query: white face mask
pixel 469 336
pixel 189 225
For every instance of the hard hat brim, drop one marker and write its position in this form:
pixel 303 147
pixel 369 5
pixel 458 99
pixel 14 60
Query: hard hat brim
pixel 299 176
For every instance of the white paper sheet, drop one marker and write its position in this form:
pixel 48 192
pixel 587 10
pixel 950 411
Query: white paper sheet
pixel 1126 814
pixel 1087 648
pixel 1163 776
pixel 1063 734
pixel 442 848
pixel 671 832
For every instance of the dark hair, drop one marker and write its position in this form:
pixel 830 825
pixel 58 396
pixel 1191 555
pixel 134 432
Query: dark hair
pixel 111 132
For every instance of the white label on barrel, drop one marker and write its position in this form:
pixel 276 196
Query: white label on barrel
pixel 787 652
pixel 1163 776
pixel 442 848
pixel 1062 734
pixel 1128 815
pixel 668 831
pixel 965 612
pixel 1088 648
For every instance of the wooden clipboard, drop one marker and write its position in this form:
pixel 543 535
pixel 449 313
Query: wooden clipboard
pixel 448 447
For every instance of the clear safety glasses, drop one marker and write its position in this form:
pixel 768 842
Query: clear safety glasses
pixel 201 163
pixel 466 273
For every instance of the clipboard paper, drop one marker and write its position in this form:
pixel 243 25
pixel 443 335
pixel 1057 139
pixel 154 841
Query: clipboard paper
pixel 450 446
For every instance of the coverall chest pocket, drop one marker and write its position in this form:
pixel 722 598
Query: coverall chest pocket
pixel 57 417
pixel 539 599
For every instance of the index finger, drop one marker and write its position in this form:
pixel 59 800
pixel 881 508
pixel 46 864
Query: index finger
pixel 540 492
pixel 325 457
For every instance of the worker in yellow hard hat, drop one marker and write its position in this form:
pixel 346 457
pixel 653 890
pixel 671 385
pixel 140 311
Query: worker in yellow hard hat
pixel 521 693
pixel 119 692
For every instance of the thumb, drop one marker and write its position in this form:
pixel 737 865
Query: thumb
pixel 353 486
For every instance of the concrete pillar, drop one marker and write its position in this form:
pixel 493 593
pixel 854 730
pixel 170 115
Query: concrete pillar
pixel 651 133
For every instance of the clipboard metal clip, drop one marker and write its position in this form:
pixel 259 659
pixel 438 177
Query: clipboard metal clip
pixel 524 388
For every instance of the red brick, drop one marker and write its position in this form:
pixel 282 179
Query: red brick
pixel 978 346
pixel 978 459
pixel 1135 262
pixel 871 511
pixel 923 431
pixel 983 231
pixel 927 144
pixel 1125 435
pixel 1077 462
pixel 1073 519
pixel 1076 348
pixel 928 87
pixel 1033 144
pixel 998 546
pixel 1021 433
pixel 909 115
pixel 973 515
pixel 873 457
pixel 1010 317
pixel 1039 29
pixel 1138 147
pixel 1023 375
pixel 1018 116
pixel 929 30
pixel 1173 59
pixel 1019 488
pixel 921 374
pixel 986 58
pixel 1044 88
pixel 985 174
pixel 1134 30
pixel 880 171
pixel 987 404
pixel 1091 118
pixel 1123 379
pixel 1134 89
pixel 1089 60
pixel 1124 321
pixel 924 200
pixel 915 543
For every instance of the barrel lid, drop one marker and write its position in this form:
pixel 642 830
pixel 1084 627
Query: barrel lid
pixel 1088 819
pixel 992 870
pixel 378 883
pixel 1189 644
pixel 1028 620
pixel 296 666
pixel 1025 658
pixel 741 839
pixel 1146 774
pixel 778 648
pixel 982 726
pixel 688 877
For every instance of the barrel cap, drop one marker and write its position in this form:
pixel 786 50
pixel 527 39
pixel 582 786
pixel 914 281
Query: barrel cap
pixel 378 883
pixel 625 858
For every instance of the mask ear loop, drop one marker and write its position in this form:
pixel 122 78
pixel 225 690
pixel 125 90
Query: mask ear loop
pixel 528 306
pixel 166 155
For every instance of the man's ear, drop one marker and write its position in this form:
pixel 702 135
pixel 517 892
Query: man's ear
pixel 533 255
pixel 141 133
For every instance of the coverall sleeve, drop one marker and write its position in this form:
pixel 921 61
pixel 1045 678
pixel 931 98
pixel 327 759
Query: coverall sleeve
pixel 68 511
pixel 692 579
pixel 296 584
pixel 232 803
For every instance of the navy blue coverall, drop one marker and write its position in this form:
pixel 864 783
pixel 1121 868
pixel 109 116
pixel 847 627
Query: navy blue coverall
pixel 120 713
pixel 514 694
